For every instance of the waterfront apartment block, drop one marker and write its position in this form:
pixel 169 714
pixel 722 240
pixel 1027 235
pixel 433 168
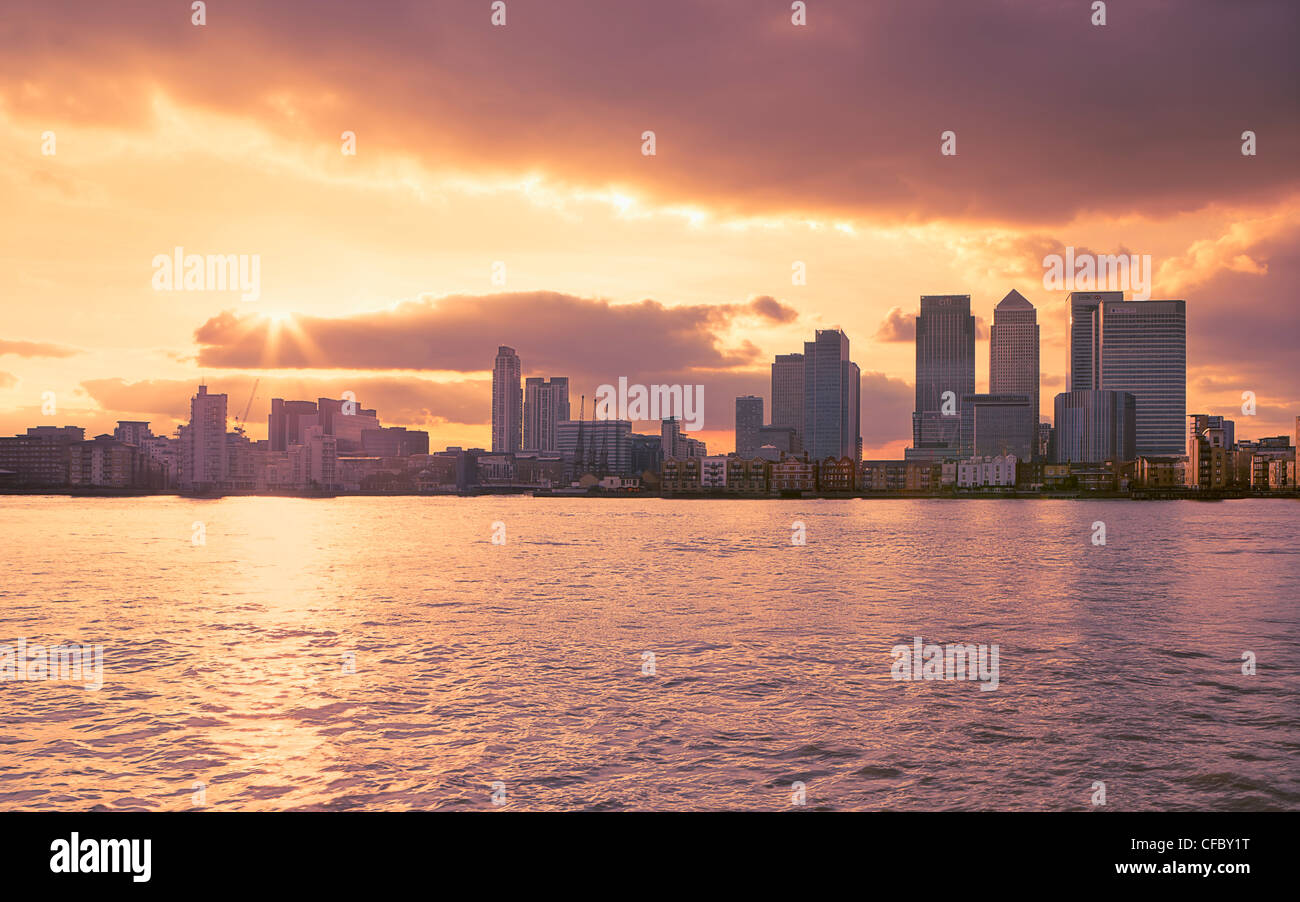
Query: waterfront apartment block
pixel 106 462
pixel 713 473
pixel 924 476
pixel 1210 454
pixel 39 458
pixel 1256 463
pixel 837 474
pixel 681 475
pixel 748 476
pixel 1198 422
pixel 794 474
pixel 1156 473
pixel 882 475
pixel 987 472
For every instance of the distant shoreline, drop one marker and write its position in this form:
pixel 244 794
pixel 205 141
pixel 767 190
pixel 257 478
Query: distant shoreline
pixel 1142 495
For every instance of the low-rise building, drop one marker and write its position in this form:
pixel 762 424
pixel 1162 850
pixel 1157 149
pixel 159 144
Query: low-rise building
pixel 747 477
pixel 106 462
pixel 713 473
pixel 1159 472
pixel 794 474
pixel 837 474
pixel 1281 475
pixel 540 469
pixel 987 472
pixel 39 458
pixel 495 470
pixel 681 475
pixel 923 476
pixel 439 473
pixel 1097 477
pixel 883 475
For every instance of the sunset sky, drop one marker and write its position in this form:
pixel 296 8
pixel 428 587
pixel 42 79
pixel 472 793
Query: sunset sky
pixel 522 145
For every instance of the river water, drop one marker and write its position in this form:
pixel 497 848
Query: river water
pixel 385 653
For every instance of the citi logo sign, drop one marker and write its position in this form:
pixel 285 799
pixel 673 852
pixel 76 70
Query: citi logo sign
pixel 102 856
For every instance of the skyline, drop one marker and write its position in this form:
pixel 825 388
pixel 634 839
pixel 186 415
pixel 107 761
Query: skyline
pixel 736 406
pixel 508 372
pixel 379 270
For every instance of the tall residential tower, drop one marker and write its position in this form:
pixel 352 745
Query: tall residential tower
pixel 546 403
pixel 507 401
pixel 203 462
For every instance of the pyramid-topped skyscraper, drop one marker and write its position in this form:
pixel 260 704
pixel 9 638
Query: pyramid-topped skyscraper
pixel 1013 353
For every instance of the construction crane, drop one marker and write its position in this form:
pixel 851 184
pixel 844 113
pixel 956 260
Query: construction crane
pixel 577 452
pixel 243 417
pixel 602 469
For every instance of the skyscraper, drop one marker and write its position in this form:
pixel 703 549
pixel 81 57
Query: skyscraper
pixel 285 423
pixel 507 401
pixel 204 461
pixel 749 420
pixel 670 437
pixel 832 386
pixel 1013 356
pixel 1094 426
pixel 1085 337
pixel 546 403
pixel 994 425
pixel 787 391
pixel 1138 347
pixel 945 362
